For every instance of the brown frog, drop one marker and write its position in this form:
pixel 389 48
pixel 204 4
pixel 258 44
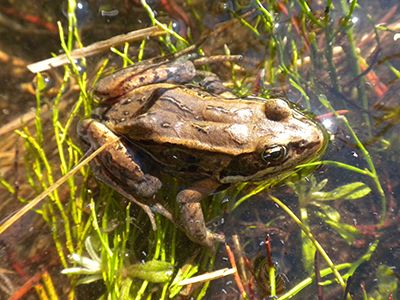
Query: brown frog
pixel 201 134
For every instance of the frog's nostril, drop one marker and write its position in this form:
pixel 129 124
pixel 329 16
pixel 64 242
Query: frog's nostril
pixel 302 144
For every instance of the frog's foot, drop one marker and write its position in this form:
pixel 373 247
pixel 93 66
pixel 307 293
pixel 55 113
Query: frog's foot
pixel 210 238
pixel 213 84
pixel 210 81
pixel 191 214
pixel 96 167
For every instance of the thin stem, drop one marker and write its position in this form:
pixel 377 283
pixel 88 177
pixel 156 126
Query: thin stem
pixel 308 233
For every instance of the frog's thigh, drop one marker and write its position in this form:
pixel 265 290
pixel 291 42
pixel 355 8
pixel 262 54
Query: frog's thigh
pixel 191 214
pixel 115 165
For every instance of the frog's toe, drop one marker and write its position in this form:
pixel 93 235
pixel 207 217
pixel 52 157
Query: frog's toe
pixel 212 239
pixel 218 237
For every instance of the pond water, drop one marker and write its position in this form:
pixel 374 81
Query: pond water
pixel 338 61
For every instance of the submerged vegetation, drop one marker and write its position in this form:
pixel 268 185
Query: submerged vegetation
pixel 312 54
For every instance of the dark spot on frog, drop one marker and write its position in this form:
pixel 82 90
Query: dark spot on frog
pixel 142 78
pixel 179 155
pixel 156 77
pixel 199 128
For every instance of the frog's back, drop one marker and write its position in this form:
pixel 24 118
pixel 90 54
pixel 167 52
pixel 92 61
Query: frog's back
pixel 188 117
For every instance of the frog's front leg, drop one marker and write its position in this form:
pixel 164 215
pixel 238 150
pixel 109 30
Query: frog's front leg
pixel 116 166
pixel 191 214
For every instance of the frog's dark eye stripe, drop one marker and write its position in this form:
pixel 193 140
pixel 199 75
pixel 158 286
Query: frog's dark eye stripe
pixel 274 154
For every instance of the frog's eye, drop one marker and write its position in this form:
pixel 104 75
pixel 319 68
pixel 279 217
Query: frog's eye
pixel 274 154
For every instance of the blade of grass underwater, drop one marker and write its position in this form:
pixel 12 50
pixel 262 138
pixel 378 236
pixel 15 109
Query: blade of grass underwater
pixel 42 182
pixel 307 245
pixel 308 281
pixel 126 61
pixel 367 157
pixel 350 191
pixel 311 237
pixel 34 202
pixel 49 285
pixel 161 25
pixel 354 60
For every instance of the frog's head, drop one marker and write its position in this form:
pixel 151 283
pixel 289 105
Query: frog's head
pixel 286 139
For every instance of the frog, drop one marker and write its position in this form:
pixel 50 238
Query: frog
pixel 168 118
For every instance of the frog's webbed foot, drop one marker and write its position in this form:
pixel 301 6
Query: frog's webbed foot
pixel 213 84
pixel 98 172
pixel 191 214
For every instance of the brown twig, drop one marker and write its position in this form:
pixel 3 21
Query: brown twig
pixel 96 48
pixel 236 274
pixel 27 286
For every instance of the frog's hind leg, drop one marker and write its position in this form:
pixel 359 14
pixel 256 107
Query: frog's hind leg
pixel 213 84
pixel 191 214
pixel 116 166
pixel 210 81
